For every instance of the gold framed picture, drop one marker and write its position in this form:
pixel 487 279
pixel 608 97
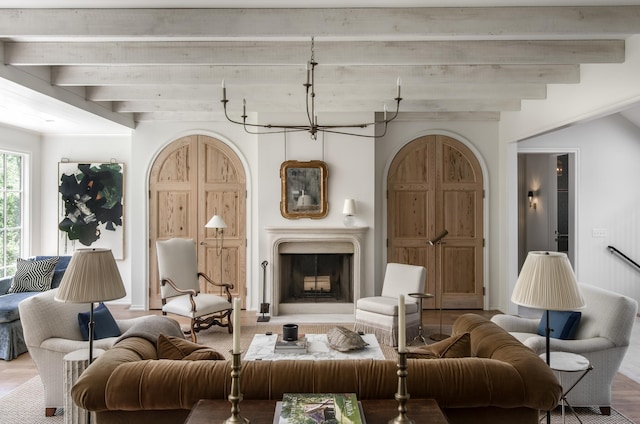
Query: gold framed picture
pixel 304 189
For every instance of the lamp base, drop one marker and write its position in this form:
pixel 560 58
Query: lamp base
pixel 349 221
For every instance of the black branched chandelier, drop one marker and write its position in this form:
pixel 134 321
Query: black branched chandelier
pixel 312 127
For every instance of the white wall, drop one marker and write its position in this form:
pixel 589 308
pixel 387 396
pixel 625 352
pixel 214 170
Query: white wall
pixel 82 148
pixel 607 174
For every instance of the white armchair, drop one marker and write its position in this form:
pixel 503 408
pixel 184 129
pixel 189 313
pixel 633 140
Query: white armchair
pixel 379 314
pixel 602 337
pixel 51 330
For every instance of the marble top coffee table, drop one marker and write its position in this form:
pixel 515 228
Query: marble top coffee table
pixel 262 348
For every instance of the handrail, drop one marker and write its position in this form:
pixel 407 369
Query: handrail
pixel 614 250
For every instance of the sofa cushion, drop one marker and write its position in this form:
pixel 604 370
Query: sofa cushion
pixel 170 347
pixel 33 275
pixel 58 272
pixel 563 324
pixel 384 305
pixel 105 324
pixel 456 346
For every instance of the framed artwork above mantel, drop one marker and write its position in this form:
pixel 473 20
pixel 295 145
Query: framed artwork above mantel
pixel 304 189
pixel 91 207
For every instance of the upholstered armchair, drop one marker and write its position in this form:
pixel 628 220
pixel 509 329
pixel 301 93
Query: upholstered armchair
pixel 602 336
pixel 180 287
pixel 51 330
pixel 379 314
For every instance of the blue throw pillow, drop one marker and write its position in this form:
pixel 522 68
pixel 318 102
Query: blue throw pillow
pixel 105 325
pixel 563 324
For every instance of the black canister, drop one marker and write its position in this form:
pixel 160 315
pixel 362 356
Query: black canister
pixel 290 332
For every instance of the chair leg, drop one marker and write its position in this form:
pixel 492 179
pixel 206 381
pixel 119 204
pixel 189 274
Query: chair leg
pixel 605 410
pixel 194 338
pixel 49 412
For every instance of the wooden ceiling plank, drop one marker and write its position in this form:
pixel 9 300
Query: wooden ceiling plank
pixel 550 52
pixel 335 105
pixel 360 22
pixel 190 75
pixel 190 116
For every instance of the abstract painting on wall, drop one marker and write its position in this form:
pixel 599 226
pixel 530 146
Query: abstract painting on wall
pixel 91 211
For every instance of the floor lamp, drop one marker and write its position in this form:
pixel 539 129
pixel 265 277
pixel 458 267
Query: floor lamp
pixel 218 223
pixel 547 281
pixel 437 240
pixel 92 276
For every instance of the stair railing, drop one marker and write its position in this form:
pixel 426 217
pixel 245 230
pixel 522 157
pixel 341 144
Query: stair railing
pixel 619 253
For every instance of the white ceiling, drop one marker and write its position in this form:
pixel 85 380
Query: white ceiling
pixel 83 71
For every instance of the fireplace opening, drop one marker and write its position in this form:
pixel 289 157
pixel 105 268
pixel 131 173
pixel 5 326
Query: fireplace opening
pixel 316 277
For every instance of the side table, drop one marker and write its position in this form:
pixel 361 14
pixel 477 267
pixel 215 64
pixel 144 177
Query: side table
pixel 568 362
pixel 420 296
pixel 74 364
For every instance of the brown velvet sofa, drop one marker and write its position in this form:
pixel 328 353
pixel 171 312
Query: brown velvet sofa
pixel 504 381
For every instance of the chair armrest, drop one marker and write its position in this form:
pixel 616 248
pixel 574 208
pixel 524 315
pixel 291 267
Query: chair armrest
pixel 227 286
pixel 512 323
pixel 176 288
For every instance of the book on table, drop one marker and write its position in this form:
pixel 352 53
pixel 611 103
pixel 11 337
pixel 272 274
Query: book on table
pixel 319 408
pixel 291 346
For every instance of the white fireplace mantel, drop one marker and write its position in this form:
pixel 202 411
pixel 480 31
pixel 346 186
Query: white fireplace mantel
pixel 318 236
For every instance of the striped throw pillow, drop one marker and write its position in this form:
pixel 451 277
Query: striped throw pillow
pixel 32 276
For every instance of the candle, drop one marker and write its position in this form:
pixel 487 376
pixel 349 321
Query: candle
pixel 399 82
pixel 224 91
pixel 402 329
pixel 385 111
pixel 237 308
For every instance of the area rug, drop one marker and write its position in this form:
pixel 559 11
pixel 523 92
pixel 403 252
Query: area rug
pixel 587 416
pixel 25 404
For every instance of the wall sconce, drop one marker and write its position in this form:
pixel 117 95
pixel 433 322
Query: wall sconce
pixel 532 204
pixel 349 210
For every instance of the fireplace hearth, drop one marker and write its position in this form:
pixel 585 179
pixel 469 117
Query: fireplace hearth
pixel 315 270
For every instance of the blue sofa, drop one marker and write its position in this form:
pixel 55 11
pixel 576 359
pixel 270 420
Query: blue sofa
pixel 11 338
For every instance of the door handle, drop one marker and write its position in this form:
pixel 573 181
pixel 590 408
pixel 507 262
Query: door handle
pixel 203 243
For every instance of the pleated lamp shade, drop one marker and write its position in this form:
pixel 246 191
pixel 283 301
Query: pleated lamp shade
pixel 92 276
pixel 547 281
pixel 216 221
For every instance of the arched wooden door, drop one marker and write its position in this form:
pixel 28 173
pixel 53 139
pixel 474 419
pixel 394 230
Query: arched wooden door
pixel 192 179
pixel 435 183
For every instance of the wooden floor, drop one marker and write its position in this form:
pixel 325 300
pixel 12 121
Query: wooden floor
pixel 626 392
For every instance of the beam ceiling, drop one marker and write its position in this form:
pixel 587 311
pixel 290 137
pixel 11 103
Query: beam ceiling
pixel 134 65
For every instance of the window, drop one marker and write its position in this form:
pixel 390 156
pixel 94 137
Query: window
pixel 11 206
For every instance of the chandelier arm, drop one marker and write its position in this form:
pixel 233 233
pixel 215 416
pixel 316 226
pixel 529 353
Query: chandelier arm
pixel 313 128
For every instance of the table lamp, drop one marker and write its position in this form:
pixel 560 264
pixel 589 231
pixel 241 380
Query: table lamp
pixel 92 276
pixel 547 281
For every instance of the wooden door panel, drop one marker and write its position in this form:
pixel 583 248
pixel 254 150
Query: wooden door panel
pixel 435 183
pixel 223 192
pixel 460 290
pixel 174 215
pixel 410 213
pixel 459 213
pixel 194 178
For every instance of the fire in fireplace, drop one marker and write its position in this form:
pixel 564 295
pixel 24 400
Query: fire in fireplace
pixel 316 277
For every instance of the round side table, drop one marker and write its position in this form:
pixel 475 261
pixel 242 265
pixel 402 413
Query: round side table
pixel 74 364
pixel 568 362
pixel 420 296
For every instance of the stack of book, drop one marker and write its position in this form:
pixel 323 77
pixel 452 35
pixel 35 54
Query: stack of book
pixel 319 408
pixel 294 346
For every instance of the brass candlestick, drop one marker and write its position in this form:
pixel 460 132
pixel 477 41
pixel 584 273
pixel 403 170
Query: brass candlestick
pixel 235 397
pixel 402 396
